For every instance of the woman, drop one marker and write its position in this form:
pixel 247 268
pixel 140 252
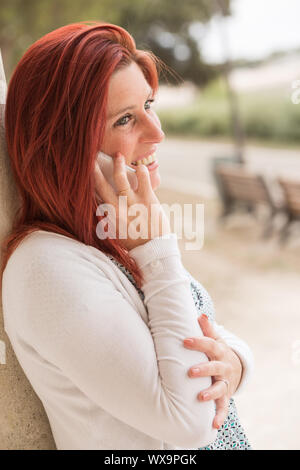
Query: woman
pixel 99 325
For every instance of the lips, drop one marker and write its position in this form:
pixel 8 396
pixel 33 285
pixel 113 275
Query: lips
pixel 145 161
pixel 146 155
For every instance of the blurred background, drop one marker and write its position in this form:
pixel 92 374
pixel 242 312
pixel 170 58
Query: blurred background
pixel 231 114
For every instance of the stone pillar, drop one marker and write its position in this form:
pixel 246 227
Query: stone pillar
pixel 23 421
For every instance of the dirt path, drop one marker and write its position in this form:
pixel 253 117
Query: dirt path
pixel 255 287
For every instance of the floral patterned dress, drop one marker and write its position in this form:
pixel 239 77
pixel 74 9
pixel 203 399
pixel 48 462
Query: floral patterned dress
pixel 231 435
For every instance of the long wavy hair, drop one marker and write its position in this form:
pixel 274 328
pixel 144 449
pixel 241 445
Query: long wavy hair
pixel 55 121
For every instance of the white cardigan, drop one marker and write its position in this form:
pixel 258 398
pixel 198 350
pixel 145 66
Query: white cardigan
pixel 110 370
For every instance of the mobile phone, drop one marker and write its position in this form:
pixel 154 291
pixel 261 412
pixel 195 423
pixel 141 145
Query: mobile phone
pixel 107 167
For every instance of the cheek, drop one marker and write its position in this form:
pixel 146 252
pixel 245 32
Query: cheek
pixel 119 142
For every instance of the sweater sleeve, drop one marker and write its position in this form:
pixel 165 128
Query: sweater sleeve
pixel 79 321
pixel 240 347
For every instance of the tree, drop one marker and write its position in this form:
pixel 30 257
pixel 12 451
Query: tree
pixel 162 26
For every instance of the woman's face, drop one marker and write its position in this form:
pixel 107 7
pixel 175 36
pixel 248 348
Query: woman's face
pixel 132 127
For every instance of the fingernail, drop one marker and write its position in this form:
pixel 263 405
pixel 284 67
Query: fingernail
pixel 205 396
pixel 204 316
pixel 188 342
pixel 195 370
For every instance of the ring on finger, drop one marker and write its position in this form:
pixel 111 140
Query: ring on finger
pixel 225 381
pixel 122 191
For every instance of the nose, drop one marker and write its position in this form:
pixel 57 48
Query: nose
pixel 152 131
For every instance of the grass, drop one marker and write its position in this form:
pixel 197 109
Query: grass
pixel 267 116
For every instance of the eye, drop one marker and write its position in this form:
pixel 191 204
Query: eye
pixel 125 119
pixel 122 121
pixel 150 101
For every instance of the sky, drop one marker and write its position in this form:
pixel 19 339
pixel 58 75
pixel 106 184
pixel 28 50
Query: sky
pixel 255 29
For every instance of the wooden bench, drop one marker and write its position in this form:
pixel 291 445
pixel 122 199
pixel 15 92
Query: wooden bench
pixel 243 189
pixel 291 191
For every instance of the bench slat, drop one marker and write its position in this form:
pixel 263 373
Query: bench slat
pixel 241 185
pixel 291 191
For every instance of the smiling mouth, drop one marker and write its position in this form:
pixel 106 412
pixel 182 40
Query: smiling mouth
pixel 145 161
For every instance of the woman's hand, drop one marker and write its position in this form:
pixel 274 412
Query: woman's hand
pixel 151 217
pixel 224 365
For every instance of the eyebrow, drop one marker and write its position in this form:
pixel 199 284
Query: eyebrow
pixel 113 115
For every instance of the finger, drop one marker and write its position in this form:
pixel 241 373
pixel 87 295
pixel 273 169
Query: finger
pixel 217 390
pixel 144 181
pixel 102 186
pixel 120 175
pixel 209 346
pixel 206 327
pixel 221 411
pixel 211 368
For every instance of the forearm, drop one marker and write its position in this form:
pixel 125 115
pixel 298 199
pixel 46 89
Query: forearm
pixel 173 316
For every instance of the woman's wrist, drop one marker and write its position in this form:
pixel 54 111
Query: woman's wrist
pixel 238 371
pixel 158 247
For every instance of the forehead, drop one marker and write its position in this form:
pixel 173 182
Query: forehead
pixel 126 87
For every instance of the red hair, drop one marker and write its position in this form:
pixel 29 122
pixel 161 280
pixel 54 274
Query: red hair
pixel 55 121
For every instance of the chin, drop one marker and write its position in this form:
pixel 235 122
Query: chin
pixel 155 179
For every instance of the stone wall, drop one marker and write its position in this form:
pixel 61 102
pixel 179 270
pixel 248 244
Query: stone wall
pixel 23 421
